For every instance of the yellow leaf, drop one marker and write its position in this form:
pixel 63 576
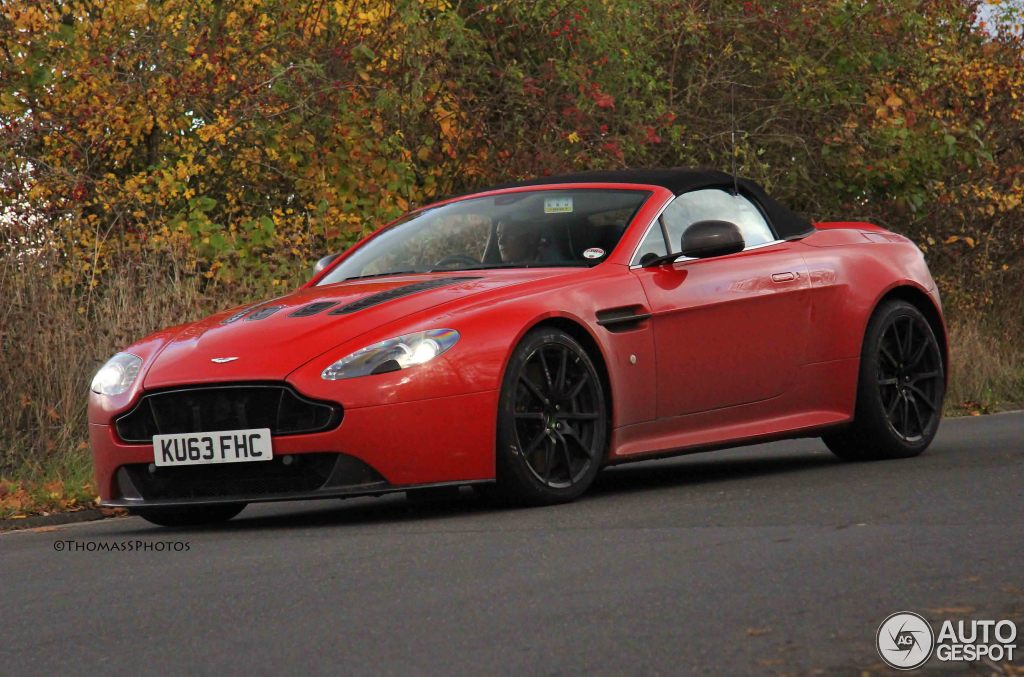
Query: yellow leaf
pixel 893 101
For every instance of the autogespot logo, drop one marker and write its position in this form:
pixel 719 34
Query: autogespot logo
pixel 905 641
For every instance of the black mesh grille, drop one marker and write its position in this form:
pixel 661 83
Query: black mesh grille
pixel 398 292
pixel 304 472
pixel 313 308
pixel 237 407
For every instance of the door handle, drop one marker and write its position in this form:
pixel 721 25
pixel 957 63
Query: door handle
pixel 784 277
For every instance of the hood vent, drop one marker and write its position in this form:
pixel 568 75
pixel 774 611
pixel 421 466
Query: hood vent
pixel 263 313
pixel 313 308
pixel 235 317
pixel 397 293
pixel 238 316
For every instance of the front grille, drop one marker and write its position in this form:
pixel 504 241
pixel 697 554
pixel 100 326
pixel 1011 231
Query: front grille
pixel 304 473
pixel 233 407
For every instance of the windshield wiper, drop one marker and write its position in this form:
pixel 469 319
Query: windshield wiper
pixel 499 266
pixel 394 272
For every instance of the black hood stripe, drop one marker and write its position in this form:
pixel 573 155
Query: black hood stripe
pixel 397 293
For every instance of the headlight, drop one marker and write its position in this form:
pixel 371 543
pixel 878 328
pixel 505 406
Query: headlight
pixel 394 354
pixel 117 375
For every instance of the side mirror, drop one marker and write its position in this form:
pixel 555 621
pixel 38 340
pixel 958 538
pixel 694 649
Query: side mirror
pixel 324 262
pixel 705 239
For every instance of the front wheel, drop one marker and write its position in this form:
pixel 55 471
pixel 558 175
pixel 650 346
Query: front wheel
pixel 189 515
pixel 552 421
pixel 900 388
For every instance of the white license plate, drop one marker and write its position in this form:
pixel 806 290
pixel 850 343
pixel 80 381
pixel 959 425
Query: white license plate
pixel 225 446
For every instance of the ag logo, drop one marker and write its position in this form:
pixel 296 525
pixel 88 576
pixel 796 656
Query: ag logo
pixel 905 641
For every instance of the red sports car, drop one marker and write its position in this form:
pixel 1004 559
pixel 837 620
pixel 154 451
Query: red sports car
pixel 525 337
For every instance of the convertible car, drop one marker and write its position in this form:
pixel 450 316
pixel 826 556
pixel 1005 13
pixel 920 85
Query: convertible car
pixel 524 337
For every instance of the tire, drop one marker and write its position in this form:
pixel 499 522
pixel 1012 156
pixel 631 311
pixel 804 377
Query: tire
pixel 190 515
pixel 552 421
pixel 900 388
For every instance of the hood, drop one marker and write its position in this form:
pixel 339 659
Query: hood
pixel 269 340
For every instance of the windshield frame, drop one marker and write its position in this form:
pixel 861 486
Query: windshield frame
pixel 648 195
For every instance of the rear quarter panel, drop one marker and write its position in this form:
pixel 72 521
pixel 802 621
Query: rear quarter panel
pixel 852 267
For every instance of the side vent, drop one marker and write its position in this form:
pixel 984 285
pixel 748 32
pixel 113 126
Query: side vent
pixel 623 318
pixel 263 313
pixel 313 308
pixel 397 293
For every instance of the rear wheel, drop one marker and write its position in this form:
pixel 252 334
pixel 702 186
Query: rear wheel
pixel 552 421
pixel 190 515
pixel 900 389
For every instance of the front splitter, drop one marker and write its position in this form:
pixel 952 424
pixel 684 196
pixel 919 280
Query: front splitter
pixel 373 489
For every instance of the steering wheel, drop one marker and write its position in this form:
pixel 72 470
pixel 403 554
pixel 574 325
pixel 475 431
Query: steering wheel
pixel 456 258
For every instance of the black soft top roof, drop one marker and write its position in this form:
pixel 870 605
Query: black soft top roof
pixel 788 225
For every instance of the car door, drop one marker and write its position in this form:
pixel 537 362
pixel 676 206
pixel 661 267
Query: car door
pixel 728 330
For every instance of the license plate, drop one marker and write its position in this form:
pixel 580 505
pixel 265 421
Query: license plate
pixel 225 446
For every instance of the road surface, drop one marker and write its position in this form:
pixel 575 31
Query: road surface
pixel 774 558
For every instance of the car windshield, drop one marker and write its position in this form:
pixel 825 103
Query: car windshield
pixel 578 227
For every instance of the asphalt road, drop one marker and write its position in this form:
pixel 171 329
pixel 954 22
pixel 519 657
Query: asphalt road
pixel 775 558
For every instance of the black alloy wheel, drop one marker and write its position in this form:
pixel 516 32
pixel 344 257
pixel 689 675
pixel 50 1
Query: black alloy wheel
pixel 900 390
pixel 909 376
pixel 553 420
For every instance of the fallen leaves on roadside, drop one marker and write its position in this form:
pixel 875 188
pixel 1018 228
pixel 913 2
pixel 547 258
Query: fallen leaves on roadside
pixel 22 498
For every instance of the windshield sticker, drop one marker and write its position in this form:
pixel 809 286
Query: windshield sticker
pixel 593 253
pixel 558 205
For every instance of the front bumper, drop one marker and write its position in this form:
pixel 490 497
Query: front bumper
pixel 375 450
